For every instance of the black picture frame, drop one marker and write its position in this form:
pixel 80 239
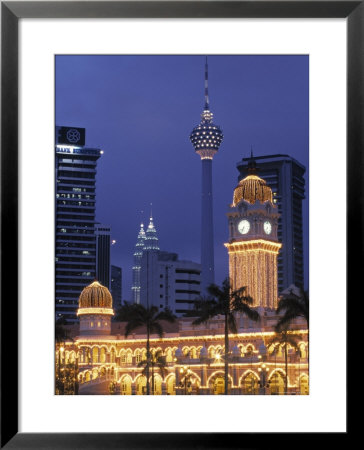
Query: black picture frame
pixel 11 12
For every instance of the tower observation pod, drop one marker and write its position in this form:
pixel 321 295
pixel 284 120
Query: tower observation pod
pixel 206 139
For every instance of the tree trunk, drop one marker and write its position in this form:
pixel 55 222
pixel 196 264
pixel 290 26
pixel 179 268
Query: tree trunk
pixel 286 363
pixel 152 379
pixel 226 355
pixel 148 360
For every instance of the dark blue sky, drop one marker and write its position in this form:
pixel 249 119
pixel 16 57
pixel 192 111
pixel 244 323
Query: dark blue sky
pixel 141 109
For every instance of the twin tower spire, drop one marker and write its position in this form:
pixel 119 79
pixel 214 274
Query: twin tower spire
pixel 146 241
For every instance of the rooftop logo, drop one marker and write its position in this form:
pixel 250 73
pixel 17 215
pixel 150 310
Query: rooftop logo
pixel 70 136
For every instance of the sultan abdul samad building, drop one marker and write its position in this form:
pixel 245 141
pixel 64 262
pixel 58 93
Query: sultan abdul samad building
pixel 107 362
pixel 100 360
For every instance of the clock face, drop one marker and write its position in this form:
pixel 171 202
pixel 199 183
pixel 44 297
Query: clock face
pixel 267 227
pixel 244 226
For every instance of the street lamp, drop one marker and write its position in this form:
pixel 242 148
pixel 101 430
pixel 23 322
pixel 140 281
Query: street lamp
pixel 186 380
pixel 263 372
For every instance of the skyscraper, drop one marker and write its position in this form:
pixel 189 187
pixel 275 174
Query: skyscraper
pixel 75 218
pixel 206 139
pixel 284 175
pixel 148 270
pixel 116 285
pixel 103 243
pixel 138 253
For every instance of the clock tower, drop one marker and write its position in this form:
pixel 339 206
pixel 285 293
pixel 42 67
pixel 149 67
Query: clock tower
pixel 253 241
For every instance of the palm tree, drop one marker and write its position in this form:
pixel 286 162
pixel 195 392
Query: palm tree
pixel 158 361
pixel 136 316
pixel 293 304
pixel 226 302
pixel 61 336
pixel 284 337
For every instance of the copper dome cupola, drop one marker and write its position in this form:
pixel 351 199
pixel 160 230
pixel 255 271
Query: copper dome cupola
pixel 95 299
pixel 252 188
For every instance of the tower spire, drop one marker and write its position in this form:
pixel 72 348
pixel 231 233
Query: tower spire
pixel 207 103
pixel 206 138
pixel 252 165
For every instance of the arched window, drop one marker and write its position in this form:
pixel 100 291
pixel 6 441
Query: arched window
pixel 193 353
pixel 103 355
pixel 95 355
pixel 171 385
pixel 302 350
pixel 303 385
pixel 157 385
pixel 250 384
pixel 129 357
pixel 276 384
pixel 141 385
pixel 125 385
pixel 138 356
pixel 112 355
pixel 169 355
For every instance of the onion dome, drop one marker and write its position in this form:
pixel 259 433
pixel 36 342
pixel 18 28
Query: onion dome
pixel 206 137
pixel 251 189
pixel 95 296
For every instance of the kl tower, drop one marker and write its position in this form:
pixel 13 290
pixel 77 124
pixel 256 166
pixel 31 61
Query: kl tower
pixel 206 139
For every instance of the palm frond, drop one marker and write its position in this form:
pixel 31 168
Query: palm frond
pixel 232 323
pixel 157 328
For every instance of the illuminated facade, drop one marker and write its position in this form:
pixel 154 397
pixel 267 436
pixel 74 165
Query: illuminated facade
pixel 108 362
pixel 253 244
pixel 206 139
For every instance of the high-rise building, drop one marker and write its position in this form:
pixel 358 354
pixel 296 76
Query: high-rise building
pixel 206 139
pixel 75 251
pixel 164 281
pixel 175 284
pixel 116 285
pixel 284 175
pixel 138 253
pixel 149 267
pixel 103 243
pixel 253 240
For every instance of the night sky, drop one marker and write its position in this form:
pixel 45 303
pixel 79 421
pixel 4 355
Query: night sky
pixel 141 109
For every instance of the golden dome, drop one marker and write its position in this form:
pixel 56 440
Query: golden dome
pixel 95 295
pixel 251 189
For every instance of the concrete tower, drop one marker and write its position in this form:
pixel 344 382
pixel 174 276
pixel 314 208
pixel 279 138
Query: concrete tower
pixel 206 139
pixel 253 240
